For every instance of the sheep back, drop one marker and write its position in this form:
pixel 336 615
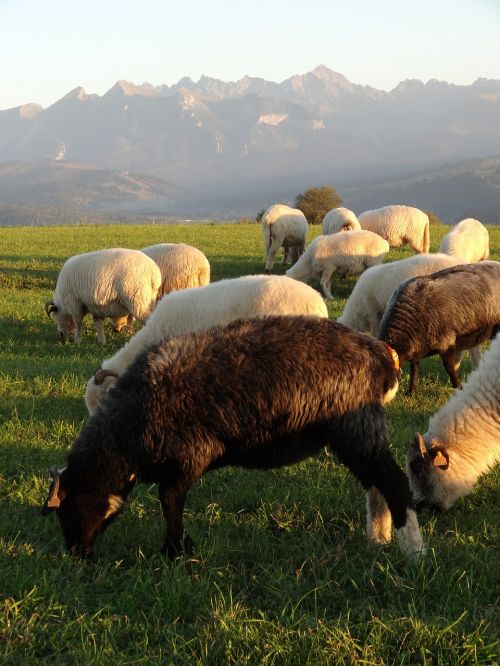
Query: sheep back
pixel 399 225
pixel 469 241
pixel 339 219
pixel 181 265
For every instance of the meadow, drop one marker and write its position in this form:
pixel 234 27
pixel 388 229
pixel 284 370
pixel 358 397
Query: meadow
pixel 282 573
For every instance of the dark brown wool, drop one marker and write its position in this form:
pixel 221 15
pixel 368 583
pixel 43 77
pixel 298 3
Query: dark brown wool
pixel 443 313
pixel 256 393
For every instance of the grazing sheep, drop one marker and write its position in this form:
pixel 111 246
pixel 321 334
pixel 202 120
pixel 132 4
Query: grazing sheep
pixel 106 283
pixel 345 254
pixel 339 219
pixel 285 227
pixel 399 225
pixel 203 307
pixel 368 300
pixel 182 266
pixel 443 313
pixel 463 439
pixel 469 241
pixel 259 393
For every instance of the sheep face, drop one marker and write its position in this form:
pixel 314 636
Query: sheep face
pixel 65 325
pixel 82 515
pixel 433 480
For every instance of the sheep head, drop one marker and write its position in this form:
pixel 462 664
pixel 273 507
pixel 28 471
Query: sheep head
pixel 82 514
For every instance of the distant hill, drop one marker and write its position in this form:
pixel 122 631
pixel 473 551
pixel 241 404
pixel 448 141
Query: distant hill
pixel 227 147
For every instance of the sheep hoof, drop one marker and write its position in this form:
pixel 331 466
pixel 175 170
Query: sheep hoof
pixel 173 549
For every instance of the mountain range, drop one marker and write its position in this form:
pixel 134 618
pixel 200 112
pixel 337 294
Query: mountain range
pixel 218 147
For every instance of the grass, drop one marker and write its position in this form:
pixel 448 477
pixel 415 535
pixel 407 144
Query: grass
pixel 282 573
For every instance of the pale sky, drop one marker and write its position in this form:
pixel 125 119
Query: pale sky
pixel 48 47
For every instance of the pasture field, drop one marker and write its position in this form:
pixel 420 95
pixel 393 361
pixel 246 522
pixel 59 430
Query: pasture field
pixel 282 573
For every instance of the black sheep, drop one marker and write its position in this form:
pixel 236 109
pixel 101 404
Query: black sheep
pixel 257 393
pixel 443 313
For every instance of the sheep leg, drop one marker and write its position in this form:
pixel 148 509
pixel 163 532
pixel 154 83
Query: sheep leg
pixel 99 327
pixel 271 253
pixel 172 498
pixel 475 356
pixel 77 335
pixel 387 486
pixel 414 369
pixel 326 279
pixel 449 362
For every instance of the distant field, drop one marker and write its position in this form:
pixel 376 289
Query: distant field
pixel 283 573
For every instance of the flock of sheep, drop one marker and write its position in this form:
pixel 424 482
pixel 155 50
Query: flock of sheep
pixel 251 372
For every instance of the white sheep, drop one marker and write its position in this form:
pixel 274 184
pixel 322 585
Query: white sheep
pixel 285 227
pixel 107 283
pixel 182 266
pixel 399 225
pixel 463 438
pixel 468 240
pixel 202 307
pixel 339 219
pixel 344 253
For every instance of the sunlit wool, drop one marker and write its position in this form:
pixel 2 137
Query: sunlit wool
pixel 107 283
pixel 197 309
pixel 399 225
pixel 339 254
pixel 463 438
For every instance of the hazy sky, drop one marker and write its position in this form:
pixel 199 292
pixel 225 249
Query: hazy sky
pixel 48 47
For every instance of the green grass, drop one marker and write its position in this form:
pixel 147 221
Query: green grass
pixel 283 573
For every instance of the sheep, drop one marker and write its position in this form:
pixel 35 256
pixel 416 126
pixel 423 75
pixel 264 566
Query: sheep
pixel 368 300
pixel 199 308
pixel 468 240
pixel 285 227
pixel 399 225
pixel 443 313
pixel 463 438
pixel 182 266
pixel 258 393
pixel 339 219
pixel 107 283
pixel 344 253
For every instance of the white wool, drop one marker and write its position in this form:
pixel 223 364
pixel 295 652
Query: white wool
pixel 366 304
pixel 181 265
pixel 200 308
pixel 107 283
pixel 399 225
pixel 339 219
pixel 468 428
pixel 468 240
pixel 285 227
pixel 344 253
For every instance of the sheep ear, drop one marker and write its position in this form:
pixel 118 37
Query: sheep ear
pixel 56 494
pixel 439 457
pixel 419 445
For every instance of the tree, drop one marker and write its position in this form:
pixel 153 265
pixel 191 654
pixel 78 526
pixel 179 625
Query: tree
pixel 316 202
pixel 260 215
pixel 433 217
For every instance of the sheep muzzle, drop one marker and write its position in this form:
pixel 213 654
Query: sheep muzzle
pixel 50 307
